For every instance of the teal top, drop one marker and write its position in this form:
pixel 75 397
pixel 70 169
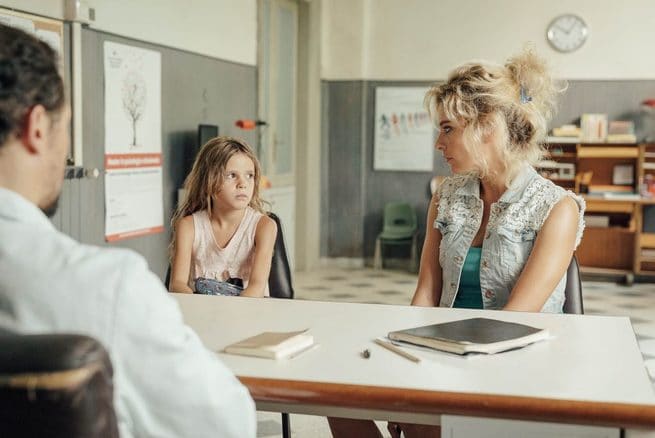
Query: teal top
pixel 469 294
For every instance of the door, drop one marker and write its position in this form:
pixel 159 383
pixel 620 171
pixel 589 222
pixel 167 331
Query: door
pixel 278 30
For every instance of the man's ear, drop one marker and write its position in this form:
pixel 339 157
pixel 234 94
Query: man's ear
pixel 37 126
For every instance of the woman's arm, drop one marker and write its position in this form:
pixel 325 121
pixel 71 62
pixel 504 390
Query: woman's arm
pixel 181 266
pixel 549 259
pixel 261 265
pixel 428 289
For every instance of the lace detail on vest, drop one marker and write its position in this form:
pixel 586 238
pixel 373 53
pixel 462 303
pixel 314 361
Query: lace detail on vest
pixel 514 223
pixel 452 207
pixel 530 211
pixel 535 205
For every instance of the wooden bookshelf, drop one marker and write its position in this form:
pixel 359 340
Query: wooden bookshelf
pixel 620 246
pixel 612 151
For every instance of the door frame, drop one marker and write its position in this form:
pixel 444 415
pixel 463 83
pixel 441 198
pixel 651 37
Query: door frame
pixel 308 133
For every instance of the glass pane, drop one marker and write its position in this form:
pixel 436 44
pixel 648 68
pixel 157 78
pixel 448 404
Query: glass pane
pixel 264 95
pixel 284 88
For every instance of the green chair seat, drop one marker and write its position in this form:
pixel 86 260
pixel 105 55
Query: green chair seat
pixel 399 228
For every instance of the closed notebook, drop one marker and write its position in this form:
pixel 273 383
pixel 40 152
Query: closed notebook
pixel 475 335
pixel 274 345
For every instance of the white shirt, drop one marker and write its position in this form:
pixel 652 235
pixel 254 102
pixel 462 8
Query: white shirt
pixel 166 383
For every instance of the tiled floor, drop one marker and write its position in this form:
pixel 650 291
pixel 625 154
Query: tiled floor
pixel 397 287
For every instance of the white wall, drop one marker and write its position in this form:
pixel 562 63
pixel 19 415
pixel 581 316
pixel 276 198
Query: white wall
pixel 47 8
pixel 224 29
pixel 343 39
pixel 424 39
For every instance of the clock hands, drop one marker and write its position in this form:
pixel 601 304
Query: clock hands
pixel 568 29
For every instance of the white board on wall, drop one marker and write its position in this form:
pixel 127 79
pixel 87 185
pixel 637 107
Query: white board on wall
pixel 404 133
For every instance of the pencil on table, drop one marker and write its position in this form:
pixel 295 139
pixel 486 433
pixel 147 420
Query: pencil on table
pixel 399 351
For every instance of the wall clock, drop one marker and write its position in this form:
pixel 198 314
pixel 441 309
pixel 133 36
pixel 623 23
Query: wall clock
pixel 567 33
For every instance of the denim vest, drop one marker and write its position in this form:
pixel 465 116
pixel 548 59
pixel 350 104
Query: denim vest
pixel 514 222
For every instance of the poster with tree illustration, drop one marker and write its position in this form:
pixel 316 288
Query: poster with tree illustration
pixel 133 157
pixel 132 99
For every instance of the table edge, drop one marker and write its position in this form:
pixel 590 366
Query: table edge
pixel 290 392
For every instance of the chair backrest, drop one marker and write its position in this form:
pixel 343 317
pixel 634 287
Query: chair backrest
pixel 279 280
pixel 167 279
pixel 399 220
pixel 573 290
pixel 55 385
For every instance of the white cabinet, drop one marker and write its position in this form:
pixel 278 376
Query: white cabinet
pixel 469 427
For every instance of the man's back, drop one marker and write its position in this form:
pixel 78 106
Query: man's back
pixel 166 382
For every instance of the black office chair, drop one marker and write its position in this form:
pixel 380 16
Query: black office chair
pixel 167 280
pixel 573 289
pixel 279 286
pixel 55 385
pixel 279 280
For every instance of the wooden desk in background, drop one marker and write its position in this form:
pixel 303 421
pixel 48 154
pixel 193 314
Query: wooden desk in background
pixel 617 248
pixel 591 372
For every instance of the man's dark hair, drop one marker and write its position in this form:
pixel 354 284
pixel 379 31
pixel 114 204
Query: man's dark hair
pixel 28 77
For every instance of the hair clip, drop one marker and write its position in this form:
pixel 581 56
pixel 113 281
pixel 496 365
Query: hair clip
pixel 524 95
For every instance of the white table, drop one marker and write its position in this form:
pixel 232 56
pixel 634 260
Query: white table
pixel 591 372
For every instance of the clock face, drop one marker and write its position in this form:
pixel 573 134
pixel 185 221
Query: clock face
pixel 567 33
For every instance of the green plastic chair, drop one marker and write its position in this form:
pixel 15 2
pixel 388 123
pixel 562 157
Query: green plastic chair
pixel 399 228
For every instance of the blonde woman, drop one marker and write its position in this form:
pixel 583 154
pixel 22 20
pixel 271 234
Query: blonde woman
pixel 223 242
pixel 499 235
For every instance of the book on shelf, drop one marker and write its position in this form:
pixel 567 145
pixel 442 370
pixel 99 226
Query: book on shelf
pixel 610 188
pixel 556 139
pixel 593 127
pixel 648 253
pixel 596 221
pixel 474 335
pixel 621 127
pixel 621 138
pixel 623 174
pixel 623 195
pixel 566 131
pixel 273 345
pixel 547 164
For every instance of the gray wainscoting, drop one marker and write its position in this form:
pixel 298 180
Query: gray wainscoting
pixel 356 194
pixel 195 89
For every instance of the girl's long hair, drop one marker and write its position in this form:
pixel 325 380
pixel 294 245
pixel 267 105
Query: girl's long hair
pixel 207 175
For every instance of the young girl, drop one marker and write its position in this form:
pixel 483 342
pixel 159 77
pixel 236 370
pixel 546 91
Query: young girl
pixel 499 235
pixel 220 231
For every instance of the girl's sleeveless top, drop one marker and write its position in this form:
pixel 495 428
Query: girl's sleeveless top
pixel 209 260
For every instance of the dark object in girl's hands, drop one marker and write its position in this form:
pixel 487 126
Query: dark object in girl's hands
pixel 208 286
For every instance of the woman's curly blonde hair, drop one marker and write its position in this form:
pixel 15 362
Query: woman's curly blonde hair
pixel 514 102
